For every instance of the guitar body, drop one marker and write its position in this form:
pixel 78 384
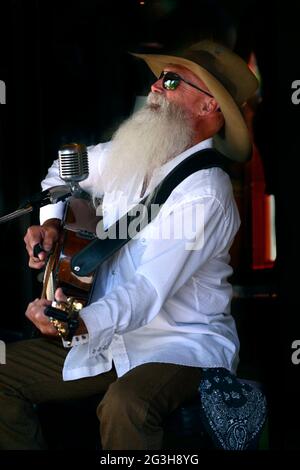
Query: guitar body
pixel 78 230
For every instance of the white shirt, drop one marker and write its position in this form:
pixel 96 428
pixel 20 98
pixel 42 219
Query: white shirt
pixel 157 299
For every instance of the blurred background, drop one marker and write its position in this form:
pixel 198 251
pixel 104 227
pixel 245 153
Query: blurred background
pixel 69 78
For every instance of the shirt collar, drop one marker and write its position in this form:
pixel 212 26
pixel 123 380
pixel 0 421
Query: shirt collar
pixel 161 172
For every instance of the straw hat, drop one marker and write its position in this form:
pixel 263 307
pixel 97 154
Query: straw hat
pixel 228 79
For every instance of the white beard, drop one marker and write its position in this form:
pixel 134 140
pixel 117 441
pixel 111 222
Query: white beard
pixel 145 141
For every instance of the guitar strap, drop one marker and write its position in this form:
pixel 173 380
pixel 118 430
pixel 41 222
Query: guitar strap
pixel 99 250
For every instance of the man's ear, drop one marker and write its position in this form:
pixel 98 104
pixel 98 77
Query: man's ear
pixel 208 106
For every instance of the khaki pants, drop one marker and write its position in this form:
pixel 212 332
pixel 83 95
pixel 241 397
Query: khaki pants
pixel 131 411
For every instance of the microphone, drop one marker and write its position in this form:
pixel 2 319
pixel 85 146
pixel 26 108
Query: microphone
pixel 73 165
pixel 73 168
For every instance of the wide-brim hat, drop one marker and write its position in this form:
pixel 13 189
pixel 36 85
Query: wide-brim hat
pixel 228 78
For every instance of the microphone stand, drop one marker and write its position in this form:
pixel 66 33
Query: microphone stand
pixel 49 196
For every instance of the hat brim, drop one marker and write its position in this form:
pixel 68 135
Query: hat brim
pixel 236 143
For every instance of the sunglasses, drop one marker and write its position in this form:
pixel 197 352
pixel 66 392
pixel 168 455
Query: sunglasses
pixel 171 81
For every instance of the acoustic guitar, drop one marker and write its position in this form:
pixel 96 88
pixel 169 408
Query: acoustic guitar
pixel 78 230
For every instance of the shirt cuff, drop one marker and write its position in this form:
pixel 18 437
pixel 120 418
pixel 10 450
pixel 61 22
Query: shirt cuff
pixel 52 211
pixel 76 341
pixel 97 319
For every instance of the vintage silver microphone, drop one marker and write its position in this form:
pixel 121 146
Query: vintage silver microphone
pixel 73 168
pixel 73 165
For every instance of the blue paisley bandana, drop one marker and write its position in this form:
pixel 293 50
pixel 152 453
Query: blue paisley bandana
pixel 233 412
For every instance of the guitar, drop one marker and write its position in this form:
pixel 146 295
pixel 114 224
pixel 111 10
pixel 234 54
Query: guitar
pixel 78 230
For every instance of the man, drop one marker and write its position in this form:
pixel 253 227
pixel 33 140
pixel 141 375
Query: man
pixel 160 311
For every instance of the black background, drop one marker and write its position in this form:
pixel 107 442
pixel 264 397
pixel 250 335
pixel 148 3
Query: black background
pixel 69 77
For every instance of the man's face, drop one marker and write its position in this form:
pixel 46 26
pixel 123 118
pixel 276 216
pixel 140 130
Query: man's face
pixel 156 133
pixel 189 98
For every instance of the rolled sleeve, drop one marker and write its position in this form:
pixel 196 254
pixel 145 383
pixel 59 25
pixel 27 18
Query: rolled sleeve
pixel 52 211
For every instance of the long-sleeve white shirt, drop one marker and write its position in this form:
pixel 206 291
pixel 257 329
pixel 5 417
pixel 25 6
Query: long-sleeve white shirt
pixel 161 299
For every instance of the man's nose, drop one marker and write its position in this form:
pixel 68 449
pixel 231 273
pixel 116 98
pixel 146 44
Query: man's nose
pixel 157 87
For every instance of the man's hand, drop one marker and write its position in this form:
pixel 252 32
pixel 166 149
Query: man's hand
pixel 35 313
pixel 60 296
pixel 45 235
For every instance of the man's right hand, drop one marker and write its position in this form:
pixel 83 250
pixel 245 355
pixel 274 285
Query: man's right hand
pixel 46 235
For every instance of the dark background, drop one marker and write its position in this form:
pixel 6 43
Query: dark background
pixel 69 77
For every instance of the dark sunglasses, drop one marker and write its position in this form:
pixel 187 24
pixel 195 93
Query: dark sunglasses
pixel 171 81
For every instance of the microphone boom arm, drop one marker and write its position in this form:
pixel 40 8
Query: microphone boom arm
pixel 49 196
pixel 73 168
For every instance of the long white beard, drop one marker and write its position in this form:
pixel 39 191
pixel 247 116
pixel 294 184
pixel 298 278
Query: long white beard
pixel 145 141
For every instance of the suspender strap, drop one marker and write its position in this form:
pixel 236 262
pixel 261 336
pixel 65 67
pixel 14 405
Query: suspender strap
pixel 87 260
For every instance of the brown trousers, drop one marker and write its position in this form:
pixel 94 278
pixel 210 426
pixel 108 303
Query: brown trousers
pixel 131 411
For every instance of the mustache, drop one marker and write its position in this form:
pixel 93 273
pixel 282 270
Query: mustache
pixel 157 100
